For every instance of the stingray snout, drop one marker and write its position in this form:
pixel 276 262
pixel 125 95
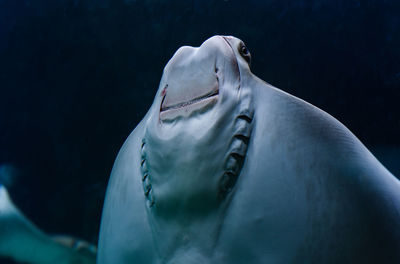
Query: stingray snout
pixel 192 83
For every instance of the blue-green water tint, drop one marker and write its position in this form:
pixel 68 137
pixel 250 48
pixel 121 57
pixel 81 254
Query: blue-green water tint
pixel 76 77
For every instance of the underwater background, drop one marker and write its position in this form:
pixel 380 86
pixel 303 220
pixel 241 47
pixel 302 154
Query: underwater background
pixel 76 76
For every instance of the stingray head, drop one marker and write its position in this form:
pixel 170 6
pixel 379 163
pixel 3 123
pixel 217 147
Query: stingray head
pixel 195 129
pixel 195 79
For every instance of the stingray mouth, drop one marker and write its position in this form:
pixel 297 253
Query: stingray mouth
pixel 171 110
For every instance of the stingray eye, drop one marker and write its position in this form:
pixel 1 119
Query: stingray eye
pixel 244 52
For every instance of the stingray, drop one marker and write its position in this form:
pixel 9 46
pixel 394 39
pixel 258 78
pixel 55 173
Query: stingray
pixel 225 168
pixel 22 241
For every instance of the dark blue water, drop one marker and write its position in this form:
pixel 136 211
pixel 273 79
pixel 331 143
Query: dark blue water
pixel 77 76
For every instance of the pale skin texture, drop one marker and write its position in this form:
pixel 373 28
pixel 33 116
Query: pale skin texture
pixel 307 190
pixel 23 242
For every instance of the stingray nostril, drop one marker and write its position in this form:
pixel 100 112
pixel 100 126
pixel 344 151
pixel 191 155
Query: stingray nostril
pixel 164 91
pixel 243 138
pixel 148 189
pixel 145 175
pixel 227 182
pixel 216 70
pixel 245 117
